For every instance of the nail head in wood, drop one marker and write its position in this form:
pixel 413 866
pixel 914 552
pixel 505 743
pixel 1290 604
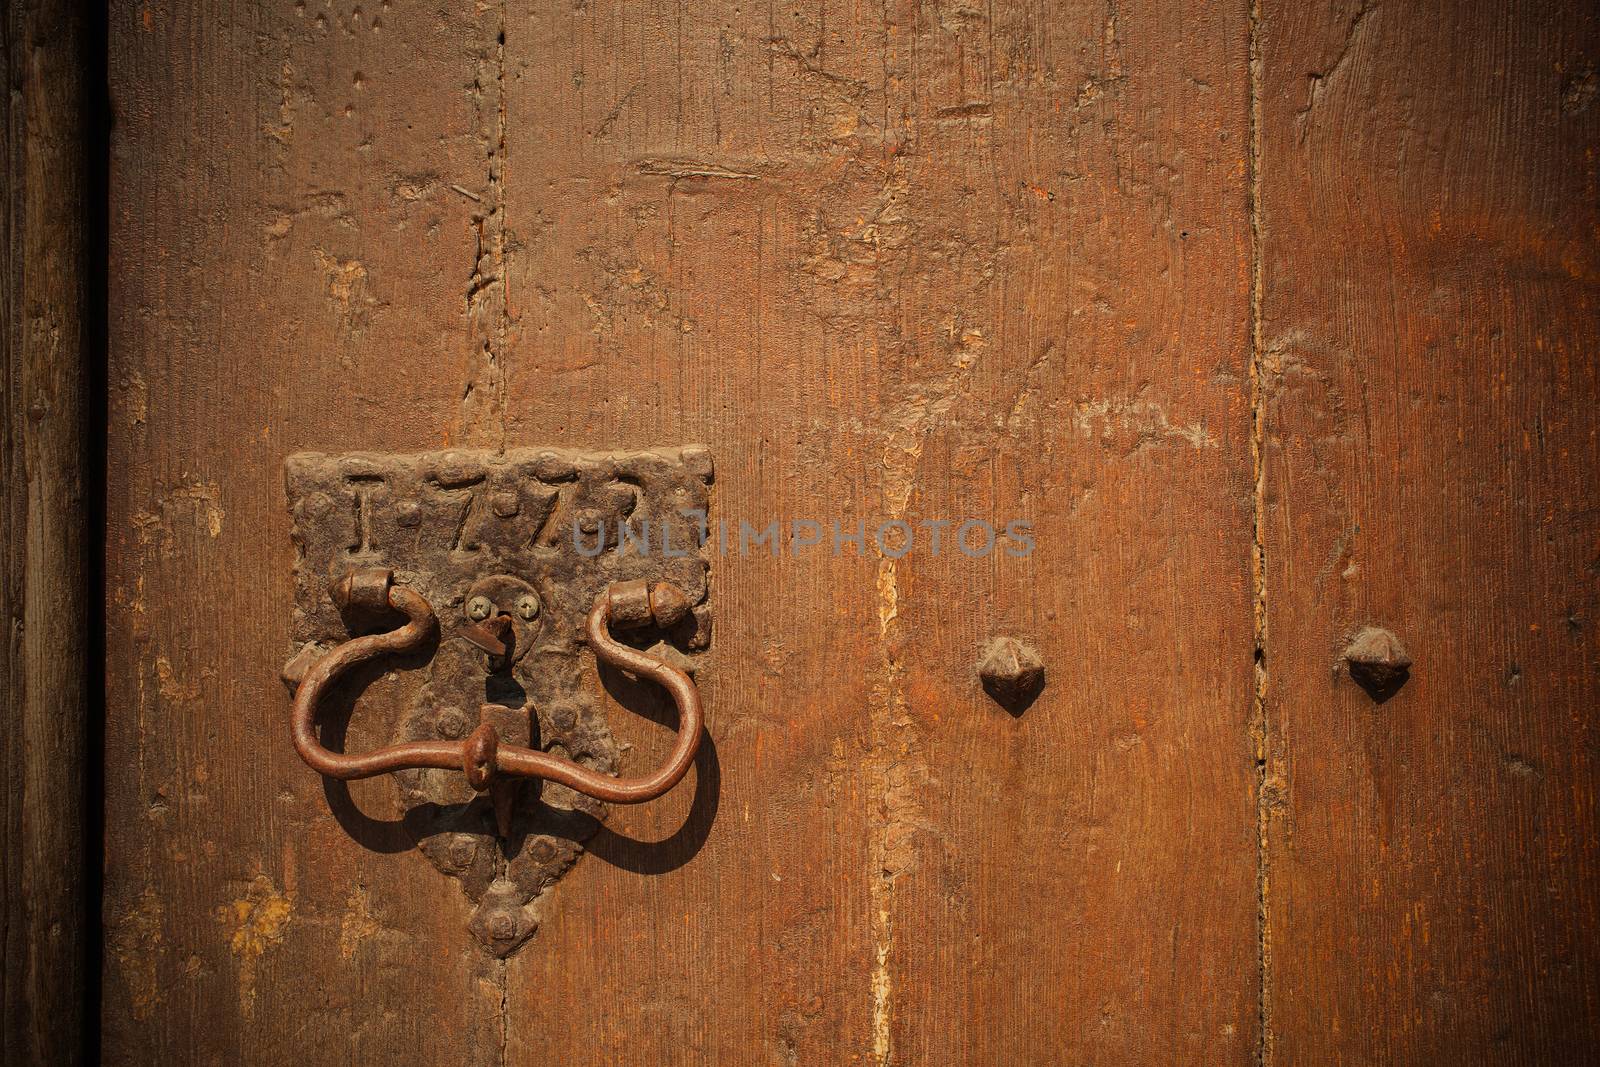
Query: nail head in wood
pixel 1377 662
pixel 1012 673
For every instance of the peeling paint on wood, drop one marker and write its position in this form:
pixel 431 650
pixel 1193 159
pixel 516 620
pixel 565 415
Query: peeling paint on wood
pixel 357 925
pixel 254 924
pixel 134 944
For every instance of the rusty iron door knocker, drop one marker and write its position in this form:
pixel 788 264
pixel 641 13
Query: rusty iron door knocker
pixel 482 756
pixel 498 580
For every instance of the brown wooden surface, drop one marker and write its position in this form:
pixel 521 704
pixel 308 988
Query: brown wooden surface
pixel 1428 218
pixel 1155 276
pixel 904 263
pixel 908 267
pixel 289 270
pixel 45 597
pixel 916 264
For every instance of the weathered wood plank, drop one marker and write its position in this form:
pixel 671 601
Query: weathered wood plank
pixel 45 599
pixel 911 263
pixel 1429 382
pixel 673 282
pixel 291 268
pixel 1075 884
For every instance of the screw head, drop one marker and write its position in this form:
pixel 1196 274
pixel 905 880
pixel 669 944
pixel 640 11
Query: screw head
pixel 479 608
pixel 528 607
pixel 1012 673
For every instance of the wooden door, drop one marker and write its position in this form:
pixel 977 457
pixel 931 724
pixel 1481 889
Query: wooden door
pixel 1273 322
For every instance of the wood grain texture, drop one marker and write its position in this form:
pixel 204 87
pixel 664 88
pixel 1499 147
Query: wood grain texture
pixel 898 262
pixel 45 598
pixel 1428 371
pixel 291 269
pixel 912 262
pixel 909 264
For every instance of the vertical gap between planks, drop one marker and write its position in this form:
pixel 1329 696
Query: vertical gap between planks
pixel 502 268
pixel 96 96
pixel 1258 567
pixel 502 329
pixel 51 340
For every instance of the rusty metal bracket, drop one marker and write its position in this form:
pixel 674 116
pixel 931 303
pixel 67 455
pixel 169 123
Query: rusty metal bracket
pixel 482 577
